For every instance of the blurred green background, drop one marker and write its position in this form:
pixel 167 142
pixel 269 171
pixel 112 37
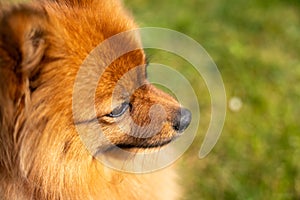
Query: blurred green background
pixel 256 46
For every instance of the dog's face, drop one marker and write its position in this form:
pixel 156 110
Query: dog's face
pixel 42 49
pixel 132 112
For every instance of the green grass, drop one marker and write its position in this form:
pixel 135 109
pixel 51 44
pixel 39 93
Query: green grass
pixel 256 46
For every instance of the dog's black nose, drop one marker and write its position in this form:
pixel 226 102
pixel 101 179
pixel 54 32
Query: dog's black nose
pixel 182 120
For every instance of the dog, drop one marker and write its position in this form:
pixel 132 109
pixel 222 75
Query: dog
pixel 43 45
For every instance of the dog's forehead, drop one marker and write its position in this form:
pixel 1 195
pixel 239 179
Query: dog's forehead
pixel 124 75
pixel 128 69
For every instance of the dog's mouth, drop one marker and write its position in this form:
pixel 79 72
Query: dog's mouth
pixel 145 145
pixel 140 145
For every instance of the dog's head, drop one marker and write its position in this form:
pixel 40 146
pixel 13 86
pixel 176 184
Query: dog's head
pixel 42 49
pixel 41 53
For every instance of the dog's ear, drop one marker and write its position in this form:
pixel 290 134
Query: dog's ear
pixel 22 39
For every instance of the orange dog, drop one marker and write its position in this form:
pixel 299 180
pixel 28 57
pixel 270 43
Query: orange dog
pixel 42 46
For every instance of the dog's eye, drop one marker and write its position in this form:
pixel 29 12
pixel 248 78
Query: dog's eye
pixel 119 111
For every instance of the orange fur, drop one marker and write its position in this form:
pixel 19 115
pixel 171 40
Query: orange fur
pixel 42 46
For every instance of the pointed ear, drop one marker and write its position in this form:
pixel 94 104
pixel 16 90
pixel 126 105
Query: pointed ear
pixel 22 38
pixel 33 48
